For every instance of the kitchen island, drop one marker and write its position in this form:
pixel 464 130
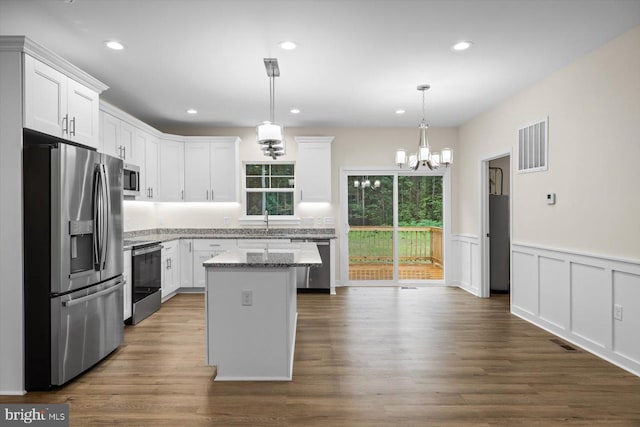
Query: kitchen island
pixel 251 310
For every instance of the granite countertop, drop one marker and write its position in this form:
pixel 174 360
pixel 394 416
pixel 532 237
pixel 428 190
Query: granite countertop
pixel 165 235
pixel 292 255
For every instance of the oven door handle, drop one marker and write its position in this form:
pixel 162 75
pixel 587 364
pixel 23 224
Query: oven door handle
pixel 72 302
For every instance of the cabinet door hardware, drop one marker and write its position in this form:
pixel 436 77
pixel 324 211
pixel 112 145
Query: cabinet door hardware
pixel 65 124
pixel 73 122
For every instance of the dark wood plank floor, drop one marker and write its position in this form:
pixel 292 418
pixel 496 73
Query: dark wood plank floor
pixel 366 357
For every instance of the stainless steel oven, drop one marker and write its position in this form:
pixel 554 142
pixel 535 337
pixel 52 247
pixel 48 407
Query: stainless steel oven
pixel 146 280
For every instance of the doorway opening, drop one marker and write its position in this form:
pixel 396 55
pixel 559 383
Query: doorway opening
pixel 496 212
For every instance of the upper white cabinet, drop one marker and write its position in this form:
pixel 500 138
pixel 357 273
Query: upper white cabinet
pixel 313 168
pixel 149 184
pixel 171 166
pixel 197 177
pixel 58 105
pixel 117 138
pixel 211 169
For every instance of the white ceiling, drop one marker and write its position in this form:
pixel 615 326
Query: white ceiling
pixel 357 61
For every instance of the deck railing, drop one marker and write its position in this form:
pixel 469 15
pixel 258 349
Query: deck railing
pixel 374 245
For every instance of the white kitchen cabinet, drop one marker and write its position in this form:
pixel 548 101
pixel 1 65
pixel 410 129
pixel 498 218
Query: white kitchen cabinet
pixel 148 165
pixel 171 167
pixel 224 171
pixel 170 268
pixel 204 249
pixel 197 178
pixel 116 137
pixel 186 263
pixel 109 134
pixel 127 136
pixel 126 290
pixel 58 105
pixel 313 169
pixel 211 169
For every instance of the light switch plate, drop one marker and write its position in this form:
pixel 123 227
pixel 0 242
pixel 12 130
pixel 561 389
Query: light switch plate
pixel 617 312
pixel 247 297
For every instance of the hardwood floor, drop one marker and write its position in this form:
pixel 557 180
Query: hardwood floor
pixel 432 356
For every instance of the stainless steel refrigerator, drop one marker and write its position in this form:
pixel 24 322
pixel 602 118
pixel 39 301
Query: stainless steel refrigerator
pixel 73 259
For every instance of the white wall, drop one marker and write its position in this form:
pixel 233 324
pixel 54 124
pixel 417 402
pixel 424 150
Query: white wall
pixel 11 296
pixel 594 109
pixel 571 262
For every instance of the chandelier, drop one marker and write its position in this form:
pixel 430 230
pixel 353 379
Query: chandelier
pixel 269 134
pixel 424 156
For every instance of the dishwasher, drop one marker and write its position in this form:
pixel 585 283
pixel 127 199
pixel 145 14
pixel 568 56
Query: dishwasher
pixel 317 278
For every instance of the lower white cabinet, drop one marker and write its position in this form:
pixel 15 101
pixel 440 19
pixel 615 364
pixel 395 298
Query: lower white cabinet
pixel 204 249
pixel 126 299
pixel 186 263
pixel 170 268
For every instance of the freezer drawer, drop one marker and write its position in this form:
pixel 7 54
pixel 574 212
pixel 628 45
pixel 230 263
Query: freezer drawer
pixel 85 327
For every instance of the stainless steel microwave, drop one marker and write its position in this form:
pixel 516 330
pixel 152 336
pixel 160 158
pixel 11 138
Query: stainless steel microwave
pixel 131 180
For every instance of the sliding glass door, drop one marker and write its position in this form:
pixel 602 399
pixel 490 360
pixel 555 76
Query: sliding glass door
pixel 395 227
pixel 419 229
pixel 370 219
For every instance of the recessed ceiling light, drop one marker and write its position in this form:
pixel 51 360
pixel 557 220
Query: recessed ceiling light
pixel 400 112
pixel 192 111
pixel 287 45
pixel 462 45
pixel 112 44
pixel 294 111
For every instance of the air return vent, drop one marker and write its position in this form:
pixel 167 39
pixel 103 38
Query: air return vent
pixel 532 147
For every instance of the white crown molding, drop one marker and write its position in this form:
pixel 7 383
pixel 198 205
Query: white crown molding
pixel 310 139
pixel 42 54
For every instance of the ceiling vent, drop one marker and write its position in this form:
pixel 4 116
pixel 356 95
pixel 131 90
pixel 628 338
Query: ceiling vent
pixel 533 147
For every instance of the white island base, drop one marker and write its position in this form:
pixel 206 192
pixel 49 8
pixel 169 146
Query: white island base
pixel 251 322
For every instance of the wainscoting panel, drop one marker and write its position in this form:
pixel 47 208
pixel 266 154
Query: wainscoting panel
pixel 574 296
pixel 590 313
pixel 466 258
pixel 554 297
pixel 626 293
pixel 525 274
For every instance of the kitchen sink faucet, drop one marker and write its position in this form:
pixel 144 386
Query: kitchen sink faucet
pixel 266 218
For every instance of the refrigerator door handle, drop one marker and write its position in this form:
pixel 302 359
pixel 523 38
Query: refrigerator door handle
pixel 106 214
pixel 72 302
pixel 96 217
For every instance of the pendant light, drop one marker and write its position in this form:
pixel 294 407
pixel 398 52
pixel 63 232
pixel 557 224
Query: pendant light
pixel 270 135
pixel 424 156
